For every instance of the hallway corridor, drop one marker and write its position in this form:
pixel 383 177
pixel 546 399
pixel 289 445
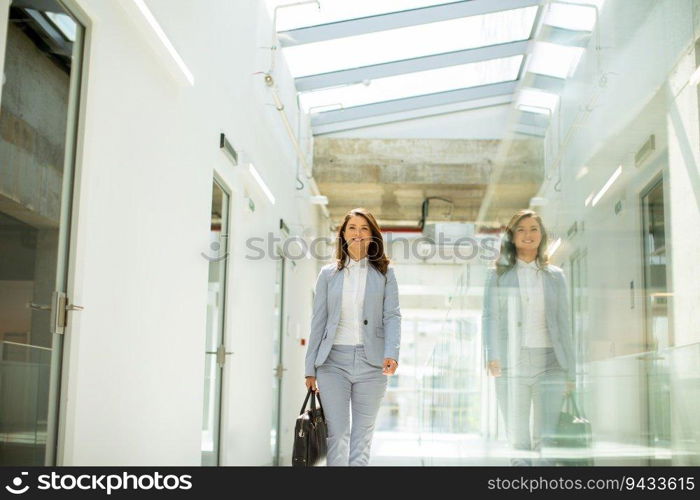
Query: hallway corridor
pixel 180 255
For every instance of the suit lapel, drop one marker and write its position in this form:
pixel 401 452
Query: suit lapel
pixel 549 295
pixel 337 278
pixel 370 285
pixel 512 285
pixel 509 281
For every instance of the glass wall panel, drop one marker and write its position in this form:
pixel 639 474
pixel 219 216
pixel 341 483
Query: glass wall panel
pixel 576 342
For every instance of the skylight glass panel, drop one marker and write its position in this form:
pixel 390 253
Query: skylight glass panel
pixel 414 84
pixel 415 41
pixel 569 16
pixel 64 23
pixel 554 60
pixel 331 11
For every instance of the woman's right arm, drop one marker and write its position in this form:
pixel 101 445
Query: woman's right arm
pixel 318 324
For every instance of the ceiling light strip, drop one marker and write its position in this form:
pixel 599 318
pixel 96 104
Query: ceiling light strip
pixel 142 16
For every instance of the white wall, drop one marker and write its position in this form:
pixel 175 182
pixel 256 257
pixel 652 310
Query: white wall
pixel 148 150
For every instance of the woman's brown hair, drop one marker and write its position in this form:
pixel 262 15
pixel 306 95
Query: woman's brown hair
pixel 508 255
pixel 375 250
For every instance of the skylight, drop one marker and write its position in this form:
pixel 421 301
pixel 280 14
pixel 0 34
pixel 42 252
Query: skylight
pixel 339 10
pixel 415 84
pixel 64 23
pixel 410 42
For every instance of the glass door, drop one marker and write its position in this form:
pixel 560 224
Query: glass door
pixel 215 356
pixel 277 366
pixel 38 127
pixel 658 335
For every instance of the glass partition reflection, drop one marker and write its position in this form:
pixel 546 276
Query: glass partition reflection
pixel 597 357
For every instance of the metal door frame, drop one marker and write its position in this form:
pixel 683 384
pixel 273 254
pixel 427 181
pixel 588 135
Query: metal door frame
pixel 219 181
pixel 280 370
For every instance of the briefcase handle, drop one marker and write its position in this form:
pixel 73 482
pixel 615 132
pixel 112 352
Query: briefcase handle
pixel 313 395
pixel 570 402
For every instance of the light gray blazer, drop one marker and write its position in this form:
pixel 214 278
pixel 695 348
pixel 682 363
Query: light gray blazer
pixel 381 322
pixel 502 317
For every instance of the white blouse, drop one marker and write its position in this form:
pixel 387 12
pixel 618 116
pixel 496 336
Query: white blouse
pixel 531 283
pixel 349 330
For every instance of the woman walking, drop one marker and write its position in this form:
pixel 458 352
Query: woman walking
pixel 355 337
pixel 527 335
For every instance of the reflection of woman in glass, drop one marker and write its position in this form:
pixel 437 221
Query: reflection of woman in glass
pixel 527 335
pixel 355 337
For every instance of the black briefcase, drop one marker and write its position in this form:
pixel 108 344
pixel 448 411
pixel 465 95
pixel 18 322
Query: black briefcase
pixel 310 434
pixel 574 434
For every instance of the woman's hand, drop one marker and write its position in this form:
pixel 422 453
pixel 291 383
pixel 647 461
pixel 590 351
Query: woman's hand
pixel 390 366
pixel 494 368
pixel 311 384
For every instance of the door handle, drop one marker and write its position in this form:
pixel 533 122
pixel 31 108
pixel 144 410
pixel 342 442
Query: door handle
pixel 59 306
pixel 278 371
pixel 38 307
pixel 221 354
pixel 44 307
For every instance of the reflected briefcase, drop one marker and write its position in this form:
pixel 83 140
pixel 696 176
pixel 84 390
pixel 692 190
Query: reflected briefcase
pixel 574 434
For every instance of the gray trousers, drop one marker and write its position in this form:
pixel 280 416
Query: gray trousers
pixel 347 382
pixel 534 382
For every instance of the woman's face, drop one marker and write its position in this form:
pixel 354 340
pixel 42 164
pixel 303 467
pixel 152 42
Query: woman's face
pixel 357 233
pixel 527 235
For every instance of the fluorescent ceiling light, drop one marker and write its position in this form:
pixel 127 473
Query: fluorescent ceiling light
pixel 571 16
pixel 153 23
pixel 325 107
pixel 535 109
pixel 414 41
pixel 553 247
pixel 550 59
pixel 318 200
pixel 261 183
pixel 418 83
pixel 607 185
pixel 64 23
pixel 588 200
pixel 339 10
pixel 583 171
pixel 538 99
pixel 538 201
